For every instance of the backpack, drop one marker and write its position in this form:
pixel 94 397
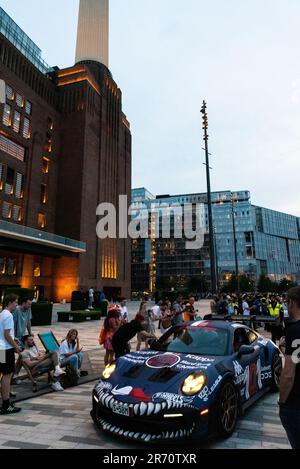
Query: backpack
pixel 70 379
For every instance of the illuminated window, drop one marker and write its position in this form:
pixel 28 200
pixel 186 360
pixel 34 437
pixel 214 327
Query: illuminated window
pixel 45 165
pixel 17 213
pixel 6 210
pixel 9 93
pixel 42 221
pixel 2 266
pixel 12 148
pixel 44 196
pixel 1 175
pixel 11 267
pixel 9 183
pixel 19 186
pixel 48 145
pixel 7 115
pixel 50 124
pixel 26 128
pixel 28 108
pixel 17 121
pixel 37 270
pixel 19 100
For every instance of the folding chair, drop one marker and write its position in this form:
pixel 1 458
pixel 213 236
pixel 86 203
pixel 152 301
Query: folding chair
pixel 49 341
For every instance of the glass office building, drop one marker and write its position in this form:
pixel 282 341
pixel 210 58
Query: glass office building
pixel 268 242
pixel 22 42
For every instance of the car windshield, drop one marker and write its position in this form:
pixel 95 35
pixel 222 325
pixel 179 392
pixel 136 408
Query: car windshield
pixel 194 340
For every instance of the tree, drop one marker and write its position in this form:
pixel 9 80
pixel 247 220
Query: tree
pixel 161 283
pixel 285 285
pixel 197 284
pixel 245 284
pixel 265 284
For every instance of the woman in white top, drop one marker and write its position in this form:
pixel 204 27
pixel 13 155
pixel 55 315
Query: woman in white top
pixel 70 351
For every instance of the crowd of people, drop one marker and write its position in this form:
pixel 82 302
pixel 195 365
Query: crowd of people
pixel 17 338
pixel 267 305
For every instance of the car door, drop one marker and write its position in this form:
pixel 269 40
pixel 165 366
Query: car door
pixel 246 367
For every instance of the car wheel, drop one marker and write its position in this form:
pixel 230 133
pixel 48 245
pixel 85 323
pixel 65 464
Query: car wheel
pixel 227 410
pixel 276 372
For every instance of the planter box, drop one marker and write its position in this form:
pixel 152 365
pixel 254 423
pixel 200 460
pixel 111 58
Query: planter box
pixel 41 314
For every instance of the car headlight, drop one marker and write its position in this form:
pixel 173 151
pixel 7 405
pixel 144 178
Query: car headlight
pixel 109 369
pixel 193 384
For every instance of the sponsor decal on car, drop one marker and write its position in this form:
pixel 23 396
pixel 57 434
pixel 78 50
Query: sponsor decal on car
pixel 165 360
pixel 102 386
pixel 122 391
pixel 207 391
pixel 169 397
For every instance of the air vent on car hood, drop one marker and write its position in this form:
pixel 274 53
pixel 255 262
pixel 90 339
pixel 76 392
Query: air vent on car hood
pixel 133 372
pixel 163 375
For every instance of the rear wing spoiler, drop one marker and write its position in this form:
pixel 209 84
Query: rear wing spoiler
pixel 242 318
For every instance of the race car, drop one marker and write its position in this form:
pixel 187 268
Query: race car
pixel 194 382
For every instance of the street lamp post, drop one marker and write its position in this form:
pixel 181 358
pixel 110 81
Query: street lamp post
pixel 209 203
pixel 235 245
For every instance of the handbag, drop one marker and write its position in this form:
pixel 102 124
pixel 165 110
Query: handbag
pixel 102 336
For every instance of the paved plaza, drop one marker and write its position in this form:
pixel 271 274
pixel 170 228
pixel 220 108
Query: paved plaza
pixel 62 420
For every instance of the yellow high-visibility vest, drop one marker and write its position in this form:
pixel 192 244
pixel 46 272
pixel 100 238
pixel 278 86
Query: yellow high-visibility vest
pixel 275 311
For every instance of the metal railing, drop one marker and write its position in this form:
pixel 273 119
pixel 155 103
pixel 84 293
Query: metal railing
pixel 21 230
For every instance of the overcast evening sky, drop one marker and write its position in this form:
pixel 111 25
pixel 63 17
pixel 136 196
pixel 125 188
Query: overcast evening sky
pixel 169 55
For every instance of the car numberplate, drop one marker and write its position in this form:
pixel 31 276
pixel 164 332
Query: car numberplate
pixel 121 409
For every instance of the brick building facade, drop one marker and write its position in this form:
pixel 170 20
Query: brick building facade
pixel 65 147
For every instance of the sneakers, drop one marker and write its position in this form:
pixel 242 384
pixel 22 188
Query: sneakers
pixel 58 372
pixel 57 387
pixel 10 410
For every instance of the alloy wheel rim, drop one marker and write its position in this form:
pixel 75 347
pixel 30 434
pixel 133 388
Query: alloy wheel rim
pixel 228 408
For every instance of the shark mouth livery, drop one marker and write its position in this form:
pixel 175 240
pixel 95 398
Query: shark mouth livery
pixel 192 383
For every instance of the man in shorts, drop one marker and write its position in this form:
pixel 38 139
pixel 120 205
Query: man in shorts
pixel 8 347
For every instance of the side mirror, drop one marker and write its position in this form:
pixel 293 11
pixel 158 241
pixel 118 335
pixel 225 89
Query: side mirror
pixel 246 350
pixel 152 343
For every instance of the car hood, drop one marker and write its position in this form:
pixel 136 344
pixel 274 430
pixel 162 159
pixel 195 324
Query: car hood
pixel 155 377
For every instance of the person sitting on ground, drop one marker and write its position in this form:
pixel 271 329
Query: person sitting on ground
pixel 37 361
pixel 111 325
pixel 125 333
pixel 70 351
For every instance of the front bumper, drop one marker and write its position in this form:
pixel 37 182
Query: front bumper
pixel 151 426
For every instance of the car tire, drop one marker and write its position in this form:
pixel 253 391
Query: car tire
pixel 276 371
pixel 227 410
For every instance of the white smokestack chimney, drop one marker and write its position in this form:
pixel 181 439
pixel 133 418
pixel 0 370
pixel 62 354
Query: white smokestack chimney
pixel 93 31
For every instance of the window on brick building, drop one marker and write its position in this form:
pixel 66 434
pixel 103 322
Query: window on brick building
pixel 42 221
pixel 45 165
pixel 26 128
pixel 9 182
pixel 17 213
pixel 2 167
pixel 19 100
pixel 44 196
pixel 19 186
pixel 16 122
pixel 10 93
pixel 7 115
pixel 28 108
pixel 6 210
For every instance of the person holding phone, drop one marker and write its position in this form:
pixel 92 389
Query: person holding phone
pixel 70 351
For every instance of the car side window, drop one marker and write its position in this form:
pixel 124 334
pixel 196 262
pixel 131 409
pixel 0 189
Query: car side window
pixel 252 337
pixel 240 338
